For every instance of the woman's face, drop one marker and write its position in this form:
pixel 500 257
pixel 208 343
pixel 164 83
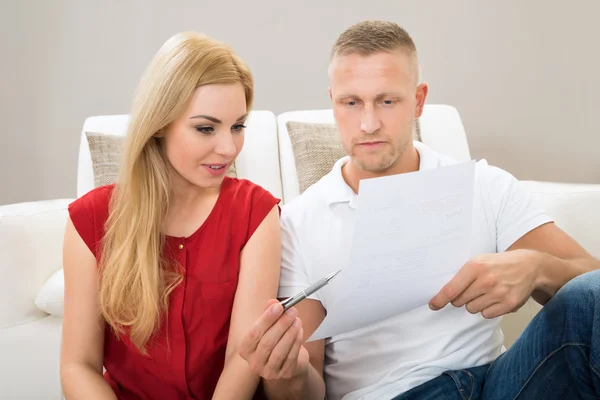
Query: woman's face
pixel 205 141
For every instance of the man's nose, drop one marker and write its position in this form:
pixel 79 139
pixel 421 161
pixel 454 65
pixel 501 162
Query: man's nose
pixel 370 122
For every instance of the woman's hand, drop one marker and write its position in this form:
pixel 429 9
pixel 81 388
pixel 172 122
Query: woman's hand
pixel 273 346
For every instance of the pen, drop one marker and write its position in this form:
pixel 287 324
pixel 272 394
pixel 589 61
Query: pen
pixel 292 301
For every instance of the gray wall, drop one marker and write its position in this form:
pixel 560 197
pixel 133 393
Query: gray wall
pixel 523 74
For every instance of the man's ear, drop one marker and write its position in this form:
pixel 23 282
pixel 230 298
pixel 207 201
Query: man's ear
pixel 330 95
pixel 421 95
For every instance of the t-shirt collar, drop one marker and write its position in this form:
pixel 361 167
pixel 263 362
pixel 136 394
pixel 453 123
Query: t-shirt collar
pixel 338 191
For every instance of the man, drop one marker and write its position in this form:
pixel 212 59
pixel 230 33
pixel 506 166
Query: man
pixel 451 348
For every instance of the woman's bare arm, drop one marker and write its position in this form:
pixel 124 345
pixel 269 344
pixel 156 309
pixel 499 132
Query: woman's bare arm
pixel 258 282
pixel 82 350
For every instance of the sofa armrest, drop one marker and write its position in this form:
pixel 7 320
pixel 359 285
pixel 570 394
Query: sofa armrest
pixel 575 209
pixel 31 236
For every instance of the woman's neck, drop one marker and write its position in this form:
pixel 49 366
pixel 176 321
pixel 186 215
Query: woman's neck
pixel 189 206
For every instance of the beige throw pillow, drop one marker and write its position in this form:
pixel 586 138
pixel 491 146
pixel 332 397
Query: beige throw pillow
pixel 317 147
pixel 106 152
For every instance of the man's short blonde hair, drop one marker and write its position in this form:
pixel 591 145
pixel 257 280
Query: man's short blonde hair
pixel 371 36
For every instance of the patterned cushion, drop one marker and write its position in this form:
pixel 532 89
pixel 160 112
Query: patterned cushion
pixel 107 151
pixel 316 148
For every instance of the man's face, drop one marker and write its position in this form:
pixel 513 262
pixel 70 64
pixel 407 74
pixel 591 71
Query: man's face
pixel 375 102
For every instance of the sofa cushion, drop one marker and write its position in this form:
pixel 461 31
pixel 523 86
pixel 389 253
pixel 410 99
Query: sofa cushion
pixel 106 152
pixel 316 148
pixel 30 361
pixel 50 298
pixel 31 238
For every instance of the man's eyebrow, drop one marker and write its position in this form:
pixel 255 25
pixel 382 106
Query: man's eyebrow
pixel 208 117
pixel 346 96
pixel 378 97
pixel 388 94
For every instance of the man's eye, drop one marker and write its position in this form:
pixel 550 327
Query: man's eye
pixel 205 129
pixel 351 103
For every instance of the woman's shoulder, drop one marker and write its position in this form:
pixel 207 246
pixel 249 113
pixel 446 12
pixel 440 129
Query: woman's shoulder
pixel 100 193
pixel 89 213
pixel 94 201
pixel 241 191
pixel 248 204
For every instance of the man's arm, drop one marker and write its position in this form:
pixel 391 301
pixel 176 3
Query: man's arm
pixel 536 265
pixel 557 259
pixel 535 257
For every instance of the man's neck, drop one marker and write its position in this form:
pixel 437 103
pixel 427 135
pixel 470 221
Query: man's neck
pixel 408 162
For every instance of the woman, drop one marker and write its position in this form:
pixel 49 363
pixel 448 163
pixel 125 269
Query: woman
pixel 169 267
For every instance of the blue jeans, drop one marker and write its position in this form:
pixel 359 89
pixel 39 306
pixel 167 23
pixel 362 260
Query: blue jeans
pixel 556 357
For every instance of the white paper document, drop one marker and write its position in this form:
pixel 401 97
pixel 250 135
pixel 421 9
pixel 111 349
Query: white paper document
pixel 412 235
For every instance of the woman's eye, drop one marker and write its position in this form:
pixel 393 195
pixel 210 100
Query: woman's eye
pixel 205 129
pixel 239 127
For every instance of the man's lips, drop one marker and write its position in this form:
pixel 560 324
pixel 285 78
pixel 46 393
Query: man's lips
pixel 371 144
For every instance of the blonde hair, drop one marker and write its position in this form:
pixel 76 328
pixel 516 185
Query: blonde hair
pixel 372 36
pixel 136 279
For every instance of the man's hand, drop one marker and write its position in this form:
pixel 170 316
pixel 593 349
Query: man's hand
pixel 493 284
pixel 273 347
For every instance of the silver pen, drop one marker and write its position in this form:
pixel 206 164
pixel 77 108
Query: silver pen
pixel 292 301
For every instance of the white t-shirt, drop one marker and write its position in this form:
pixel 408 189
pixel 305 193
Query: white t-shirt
pixel 391 357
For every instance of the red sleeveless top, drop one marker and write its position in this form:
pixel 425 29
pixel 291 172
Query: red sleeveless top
pixel 189 366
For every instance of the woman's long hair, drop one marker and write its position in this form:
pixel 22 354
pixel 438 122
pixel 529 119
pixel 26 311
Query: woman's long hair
pixel 136 279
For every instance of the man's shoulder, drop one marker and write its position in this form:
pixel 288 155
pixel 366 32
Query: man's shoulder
pixel 493 178
pixel 488 176
pixel 436 159
pixel 309 204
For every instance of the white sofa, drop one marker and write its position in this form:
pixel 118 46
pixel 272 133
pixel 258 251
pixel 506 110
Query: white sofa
pixel 31 237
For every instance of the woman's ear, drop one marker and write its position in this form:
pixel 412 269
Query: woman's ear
pixel 159 134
